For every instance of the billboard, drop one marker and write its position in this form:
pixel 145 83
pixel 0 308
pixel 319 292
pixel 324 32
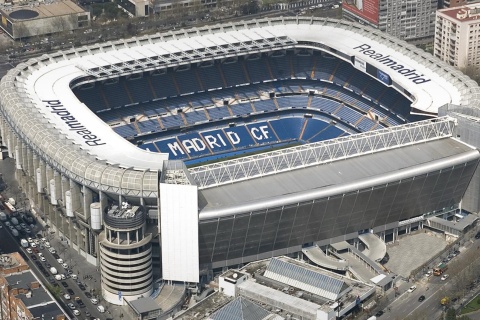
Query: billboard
pixel 366 9
pixel 385 78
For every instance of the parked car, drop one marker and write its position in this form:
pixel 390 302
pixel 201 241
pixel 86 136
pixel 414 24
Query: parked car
pixel 379 313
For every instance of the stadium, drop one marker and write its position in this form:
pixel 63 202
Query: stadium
pixel 177 155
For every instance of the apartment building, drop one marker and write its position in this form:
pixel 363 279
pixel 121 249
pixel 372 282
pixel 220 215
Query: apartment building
pixel 21 294
pixel 410 20
pixel 457 35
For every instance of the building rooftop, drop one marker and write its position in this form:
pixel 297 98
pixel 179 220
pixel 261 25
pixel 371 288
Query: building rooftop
pixel 46 311
pixel 144 305
pixel 20 280
pixel 125 211
pixel 470 12
pixel 11 260
pixel 242 309
pixel 37 296
pixel 208 306
pixel 297 278
pixel 38 10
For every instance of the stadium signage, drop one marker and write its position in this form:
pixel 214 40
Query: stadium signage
pixel 215 141
pixel 387 60
pixel 57 108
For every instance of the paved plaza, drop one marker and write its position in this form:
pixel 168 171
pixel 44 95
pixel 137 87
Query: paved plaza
pixel 412 251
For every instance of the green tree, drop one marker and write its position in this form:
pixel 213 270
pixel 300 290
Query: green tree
pixel 450 314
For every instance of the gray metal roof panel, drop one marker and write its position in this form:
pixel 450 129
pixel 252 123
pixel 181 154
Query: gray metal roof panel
pixel 278 269
pixel 303 184
pixel 240 309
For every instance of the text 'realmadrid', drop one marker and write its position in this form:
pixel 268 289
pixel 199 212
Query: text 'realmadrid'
pixel 57 108
pixel 411 74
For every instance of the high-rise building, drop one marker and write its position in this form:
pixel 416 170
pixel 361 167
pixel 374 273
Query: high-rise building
pixel 457 35
pixel 451 3
pixel 408 20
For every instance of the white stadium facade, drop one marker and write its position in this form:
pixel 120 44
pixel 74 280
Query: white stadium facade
pixel 85 127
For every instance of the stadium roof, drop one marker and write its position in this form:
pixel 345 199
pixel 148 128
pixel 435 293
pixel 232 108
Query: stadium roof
pixel 341 176
pixel 40 107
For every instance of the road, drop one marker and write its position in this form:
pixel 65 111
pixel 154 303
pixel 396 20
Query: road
pixel 407 305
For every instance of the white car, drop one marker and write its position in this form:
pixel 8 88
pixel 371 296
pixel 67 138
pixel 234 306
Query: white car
pixel 47 244
pixel 29 250
pixel 30 240
pixel 66 296
pixel 52 251
pixel 74 277
pixel 60 261
pixel 94 301
pixel 65 266
pixel 444 277
pixel 43 240
pixel 412 288
pixel 43 259
pixel 33 244
pixel 76 312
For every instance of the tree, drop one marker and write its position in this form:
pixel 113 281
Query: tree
pixel 450 314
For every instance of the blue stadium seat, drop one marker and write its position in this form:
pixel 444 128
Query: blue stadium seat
pixel 187 82
pixel 287 128
pixel 331 132
pixel 280 67
pixel 348 115
pixel 140 89
pixel 303 66
pixel 233 73
pixel 92 97
pixel 116 94
pixel 163 85
pixel 211 77
pixel 218 112
pixel 367 124
pixel 313 128
pixel 257 70
pixel 195 115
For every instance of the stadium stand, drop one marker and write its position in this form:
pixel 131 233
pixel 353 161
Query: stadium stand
pixel 237 88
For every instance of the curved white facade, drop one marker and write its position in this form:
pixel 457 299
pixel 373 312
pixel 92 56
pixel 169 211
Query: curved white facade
pixel 81 167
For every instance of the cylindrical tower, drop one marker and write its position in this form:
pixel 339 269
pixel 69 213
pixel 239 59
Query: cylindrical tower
pixel 125 255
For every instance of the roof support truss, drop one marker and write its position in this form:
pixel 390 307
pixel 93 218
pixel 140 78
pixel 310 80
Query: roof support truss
pixel 321 152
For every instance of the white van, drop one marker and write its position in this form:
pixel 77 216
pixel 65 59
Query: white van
pixel 101 309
